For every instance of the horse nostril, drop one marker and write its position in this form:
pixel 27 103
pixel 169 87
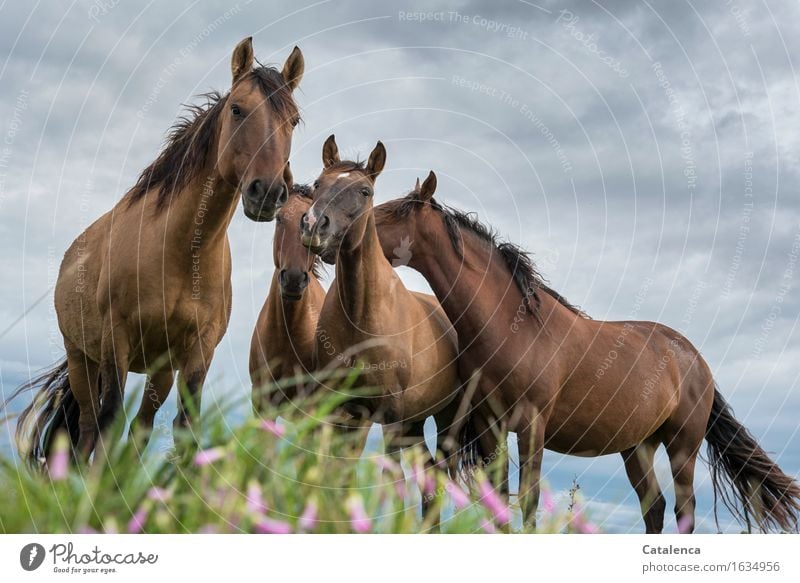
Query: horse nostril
pixel 284 194
pixel 305 277
pixel 325 222
pixel 256 189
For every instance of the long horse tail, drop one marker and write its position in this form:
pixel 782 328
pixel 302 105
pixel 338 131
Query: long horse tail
pixel 53 409
pixel 470 453
pixel 744 477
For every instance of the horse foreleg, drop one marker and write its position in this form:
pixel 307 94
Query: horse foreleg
pixel 190 382
pixel 155 393
pixel 83 377
pixel 115 352
pixel 531 452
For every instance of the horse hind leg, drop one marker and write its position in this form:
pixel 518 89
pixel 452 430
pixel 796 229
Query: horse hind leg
pixel 682 452
pixel 83 380
pixel 639 467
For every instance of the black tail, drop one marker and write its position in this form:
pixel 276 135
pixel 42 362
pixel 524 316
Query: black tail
pixel 470 454
pixel 749 483
pixel 53 409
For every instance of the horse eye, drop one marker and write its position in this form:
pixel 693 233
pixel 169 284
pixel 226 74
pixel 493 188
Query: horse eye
pixel 236 111
pixel 366 191
pixel 295 122
pixel 316 184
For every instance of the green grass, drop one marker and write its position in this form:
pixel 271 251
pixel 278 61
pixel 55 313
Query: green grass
pixel 300 475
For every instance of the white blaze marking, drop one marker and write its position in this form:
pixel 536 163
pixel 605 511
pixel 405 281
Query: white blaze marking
pixel 343 175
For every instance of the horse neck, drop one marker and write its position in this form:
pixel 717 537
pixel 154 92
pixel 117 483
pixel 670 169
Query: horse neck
pixel 291 318
pixel 472 289
pixel 361 270
pixel 201 213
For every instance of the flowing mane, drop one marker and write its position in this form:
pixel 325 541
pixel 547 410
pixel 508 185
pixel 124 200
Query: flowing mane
pixel 191 138
pixel 523 270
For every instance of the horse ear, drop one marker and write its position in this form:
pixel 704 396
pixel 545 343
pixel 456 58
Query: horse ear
pixel 416 186
pixel 288 177
pixel 330 152
pixel 293 69
pixel 377 160
pixel 428 187
pixel 242 60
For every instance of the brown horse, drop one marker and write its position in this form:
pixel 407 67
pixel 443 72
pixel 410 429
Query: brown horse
pixel 401 341
pixel 147 287
pixel 581 386
pixel 284 337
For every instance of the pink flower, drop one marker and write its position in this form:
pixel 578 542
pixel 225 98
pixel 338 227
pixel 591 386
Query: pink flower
pixel 270 526
pixel 86 529
pixel 488 527
pixel 308 519
pixel 457 495
pixel 580 524
pixel 492 501
pixel 685 524
pixel 58 465
pixel 208 529
pixel 359 520
pixel 548 504
pixel 386 464
pixel 136 523
pixel 157 494
pixel 273 427
pixel 255 502
pixel 209 456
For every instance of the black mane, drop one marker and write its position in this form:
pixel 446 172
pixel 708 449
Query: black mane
pixel 523 271
pixel 192 136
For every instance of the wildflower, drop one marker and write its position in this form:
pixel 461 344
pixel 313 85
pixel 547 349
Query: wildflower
pixel 548 504
pixel 685 524
pixel 457 495
pixel 58 465
pixel 492 501
pixel 270 526
pixel 136 523
pixel 359 520
pixel 157 494
pixel 308 519
pixel 273 427
pixel 580 524
pixel 386 464
pixel 488 527
pixel 255 502
pixel 209 456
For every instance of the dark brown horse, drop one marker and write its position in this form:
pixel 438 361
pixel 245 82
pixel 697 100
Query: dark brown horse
pixel 146 288
pixel 284 337
pixel 579 386
pixel 401 341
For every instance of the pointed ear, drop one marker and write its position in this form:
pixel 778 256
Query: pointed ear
pixel 293 69
pixel 377 160
pixel 416 187
pixel 428 187
pixel 242 60
pixel 330 152
pixel 288 177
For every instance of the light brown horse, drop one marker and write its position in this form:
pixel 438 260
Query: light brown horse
pixel 401 341
pixel 579 386
pixel 147 287
pixel 285 334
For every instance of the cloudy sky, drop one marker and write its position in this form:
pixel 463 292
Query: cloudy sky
pixel 645 153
